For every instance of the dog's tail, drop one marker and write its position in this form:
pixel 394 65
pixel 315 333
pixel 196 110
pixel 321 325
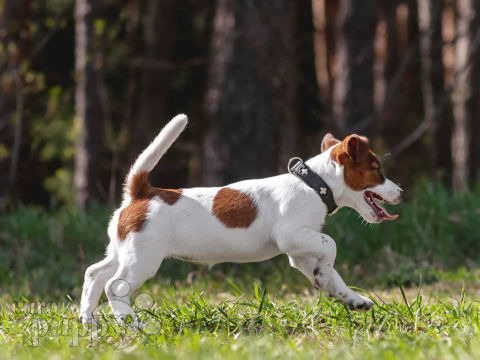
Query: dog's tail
pixel 137 177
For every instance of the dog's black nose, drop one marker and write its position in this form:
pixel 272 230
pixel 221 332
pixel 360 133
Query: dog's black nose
pixel 402 194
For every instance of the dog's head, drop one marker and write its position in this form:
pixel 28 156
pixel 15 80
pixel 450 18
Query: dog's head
pixel 364 187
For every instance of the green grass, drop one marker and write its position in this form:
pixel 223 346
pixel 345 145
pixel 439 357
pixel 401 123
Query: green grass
pixel 204 322
pixel 227 312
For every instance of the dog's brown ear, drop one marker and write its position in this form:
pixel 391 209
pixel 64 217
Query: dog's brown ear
pixel 357 147
pixel 328 141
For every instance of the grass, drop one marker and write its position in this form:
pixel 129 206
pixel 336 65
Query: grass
pixel 204 322
pixel 264 310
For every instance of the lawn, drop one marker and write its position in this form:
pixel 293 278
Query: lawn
pixel 212 319
pixel 421 271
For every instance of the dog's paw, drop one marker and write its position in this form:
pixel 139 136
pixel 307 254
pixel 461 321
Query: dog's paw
pixel 87 320
pixel 127 321
pixel 361 303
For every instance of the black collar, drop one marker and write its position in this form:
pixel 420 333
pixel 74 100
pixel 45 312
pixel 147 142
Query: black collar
pixel 297 167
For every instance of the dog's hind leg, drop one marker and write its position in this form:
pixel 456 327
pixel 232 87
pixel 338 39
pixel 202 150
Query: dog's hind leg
pixel 133 271
pixel 95 278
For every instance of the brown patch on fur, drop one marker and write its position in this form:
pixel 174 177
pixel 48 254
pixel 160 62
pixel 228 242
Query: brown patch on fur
pixel 133 216
pixel 362 168
pixel 234 209
pixel 141 189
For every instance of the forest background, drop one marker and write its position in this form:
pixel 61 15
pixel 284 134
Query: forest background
pixel 85 85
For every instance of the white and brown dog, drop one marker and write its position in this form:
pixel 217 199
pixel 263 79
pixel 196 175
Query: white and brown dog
pixel 247 221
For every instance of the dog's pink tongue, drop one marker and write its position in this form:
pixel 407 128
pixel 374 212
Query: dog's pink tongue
pixel 387 216
pixel 390 217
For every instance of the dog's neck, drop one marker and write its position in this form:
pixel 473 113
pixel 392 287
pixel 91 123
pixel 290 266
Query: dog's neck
pixel 331 173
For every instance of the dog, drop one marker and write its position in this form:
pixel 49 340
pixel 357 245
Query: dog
pixel 248 221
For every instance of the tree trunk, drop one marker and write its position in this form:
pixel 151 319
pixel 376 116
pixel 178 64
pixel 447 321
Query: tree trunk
pixel 353 89
pixel 250 103
pixel 389 74
pixel 322 66
pixel 14 15
pixel 433 80
pixel 474 126
pixel 152 81
pixel 464 92
pixel 89 144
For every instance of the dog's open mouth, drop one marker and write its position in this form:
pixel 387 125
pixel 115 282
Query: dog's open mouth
pixel 374 200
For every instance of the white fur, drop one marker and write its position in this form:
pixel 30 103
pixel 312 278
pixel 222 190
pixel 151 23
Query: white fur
pixel 290 217
pixel 159 146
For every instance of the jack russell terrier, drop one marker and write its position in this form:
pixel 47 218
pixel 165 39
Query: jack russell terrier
pixel 251 220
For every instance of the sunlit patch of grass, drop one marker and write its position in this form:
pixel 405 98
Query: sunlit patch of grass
pixel 252 323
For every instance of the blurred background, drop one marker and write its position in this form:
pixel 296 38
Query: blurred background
pixel 85 85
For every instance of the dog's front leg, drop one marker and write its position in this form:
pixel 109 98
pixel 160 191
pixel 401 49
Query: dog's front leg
pixel 314 253
pixel 335 287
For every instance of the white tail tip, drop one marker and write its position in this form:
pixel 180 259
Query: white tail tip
pixel 181 119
